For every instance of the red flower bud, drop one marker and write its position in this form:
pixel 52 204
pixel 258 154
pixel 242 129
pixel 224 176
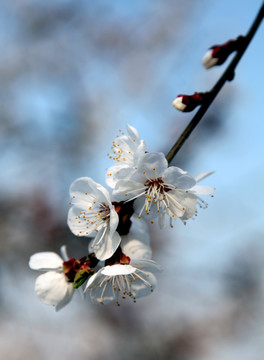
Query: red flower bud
pixel 218 54
pixel 187 103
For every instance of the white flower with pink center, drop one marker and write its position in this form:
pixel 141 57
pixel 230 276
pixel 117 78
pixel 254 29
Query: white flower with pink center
pixel 93 214
pixel 127 150
pixel 158 189
pixel 113 282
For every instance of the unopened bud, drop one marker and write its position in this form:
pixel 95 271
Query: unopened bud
pixel 187 103
pixel 218 54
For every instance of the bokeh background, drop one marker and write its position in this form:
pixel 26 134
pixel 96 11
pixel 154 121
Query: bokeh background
pixel 74 72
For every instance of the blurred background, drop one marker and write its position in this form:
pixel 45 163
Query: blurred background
pixel 74 72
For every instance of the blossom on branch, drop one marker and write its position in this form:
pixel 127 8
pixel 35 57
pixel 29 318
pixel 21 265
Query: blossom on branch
pixel 158 189
pixel 128 278
pixel 93 214
pixel 127 150
pixel 53 287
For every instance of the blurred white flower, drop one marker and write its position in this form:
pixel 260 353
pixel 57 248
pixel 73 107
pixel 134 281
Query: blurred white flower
pixel 127 150
pixel 136 244
pixel 92 214
pixel 158 189
pixel 53 287
pixel 134 280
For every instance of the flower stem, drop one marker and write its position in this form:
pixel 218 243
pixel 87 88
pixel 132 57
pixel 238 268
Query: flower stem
pixel 228 75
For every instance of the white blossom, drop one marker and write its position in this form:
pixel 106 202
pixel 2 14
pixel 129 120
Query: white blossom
pixel 92 214
pixel 132 280
pixel 127 150
pixel 136 244
pixel 158 189
pixel 52 287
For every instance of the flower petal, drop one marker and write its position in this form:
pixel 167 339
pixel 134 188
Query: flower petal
pixel 103 294
pixel 114 220
pixel 77 223
pixel 52 288
pixel 141 150
pixel 140 288
pixel 203 175
pixel 136 243
pixel 202 189
pixel 146 265
pixel 133 133
pixel 127 189
pixel 178 178
pixel 84 190
pixel 153 165
pixel 105 245
pixel 94 280
pixel 135 249
pixel 45 261
pixel 118 269
pixel 118 172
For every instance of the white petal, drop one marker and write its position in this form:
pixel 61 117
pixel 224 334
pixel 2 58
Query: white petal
pixel 77 223
pixel 105 245
pixel 52 288
pixel 146 265
pixel 67 298
pixel 189 201
pixel 129 187
pixel 85 185
pixel 118 172
pixel 103 294
pixel 141 150
pixel 135 249
pixel 141 288
pixel 153 165
pixel 94 280
pixel 64 253
pixel 136 243
pixel 45 261
pixel 202 189
pixel 178 178
pixel 133 133
pixel 203 175
pixel 118 269
pixel 176 206
pixel 114 220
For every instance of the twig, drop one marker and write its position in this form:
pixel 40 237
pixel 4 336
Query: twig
pixel 228 75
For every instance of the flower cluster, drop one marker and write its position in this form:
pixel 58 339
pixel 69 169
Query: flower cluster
pixel 144 189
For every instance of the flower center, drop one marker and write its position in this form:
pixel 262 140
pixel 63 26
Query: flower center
pixel 157 184
pixel 104 212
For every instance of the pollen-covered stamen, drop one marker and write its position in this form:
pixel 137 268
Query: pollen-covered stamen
pixel 155 192
pixel 104 212
pixel 96 217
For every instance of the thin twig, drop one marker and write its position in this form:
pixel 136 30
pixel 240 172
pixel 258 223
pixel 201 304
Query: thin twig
pixel 228 75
